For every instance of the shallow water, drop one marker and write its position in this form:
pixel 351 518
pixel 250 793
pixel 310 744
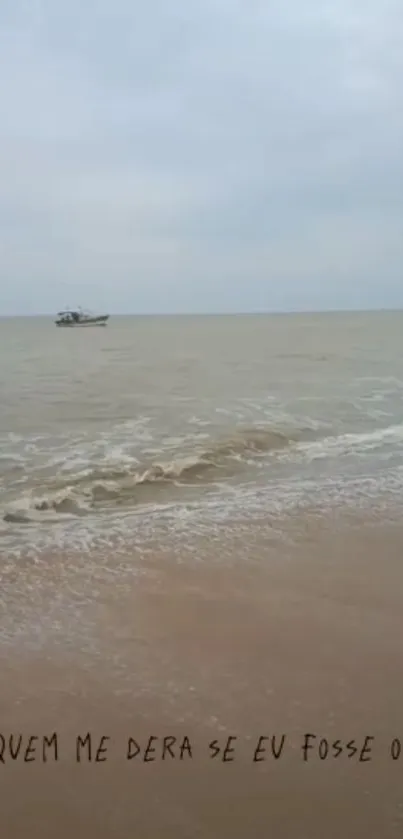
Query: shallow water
pixel 177 423
pixel 200 535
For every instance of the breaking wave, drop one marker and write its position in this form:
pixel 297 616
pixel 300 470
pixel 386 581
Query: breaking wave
pixel 106 486
pixel 124 484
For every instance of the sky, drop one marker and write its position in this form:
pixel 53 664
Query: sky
pixel 201 155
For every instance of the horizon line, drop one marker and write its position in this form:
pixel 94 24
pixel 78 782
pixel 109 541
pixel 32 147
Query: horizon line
pixel 195 314
pixel 225 313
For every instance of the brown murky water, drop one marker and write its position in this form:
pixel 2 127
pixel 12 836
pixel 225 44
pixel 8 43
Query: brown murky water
pixel 201 540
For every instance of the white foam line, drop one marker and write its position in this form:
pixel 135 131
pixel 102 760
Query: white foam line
pixel 352 443
pixel 182 522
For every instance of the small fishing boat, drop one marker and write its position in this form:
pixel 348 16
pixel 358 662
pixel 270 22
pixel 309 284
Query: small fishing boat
pixel 79 317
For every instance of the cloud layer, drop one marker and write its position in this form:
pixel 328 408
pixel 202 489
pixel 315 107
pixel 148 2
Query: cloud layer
pixel 204 156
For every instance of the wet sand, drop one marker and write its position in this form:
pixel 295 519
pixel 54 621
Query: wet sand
pixel 269 642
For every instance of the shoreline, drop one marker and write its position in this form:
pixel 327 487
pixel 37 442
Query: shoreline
pixel 303 640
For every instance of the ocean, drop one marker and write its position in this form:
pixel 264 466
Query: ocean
pixel 200 537
pixel 168 427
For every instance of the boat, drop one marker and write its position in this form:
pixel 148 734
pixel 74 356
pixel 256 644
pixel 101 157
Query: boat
pixel 79 317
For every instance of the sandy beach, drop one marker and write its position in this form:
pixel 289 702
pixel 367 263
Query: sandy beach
pixel 302 641
pixel 201 541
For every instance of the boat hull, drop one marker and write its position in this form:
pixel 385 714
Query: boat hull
pixel 84 323
pixel 80 325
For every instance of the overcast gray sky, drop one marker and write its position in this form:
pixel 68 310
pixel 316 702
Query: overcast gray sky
pixel 201 155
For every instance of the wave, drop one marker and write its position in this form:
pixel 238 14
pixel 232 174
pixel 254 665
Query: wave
pixel 358 443
pixel 126 482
